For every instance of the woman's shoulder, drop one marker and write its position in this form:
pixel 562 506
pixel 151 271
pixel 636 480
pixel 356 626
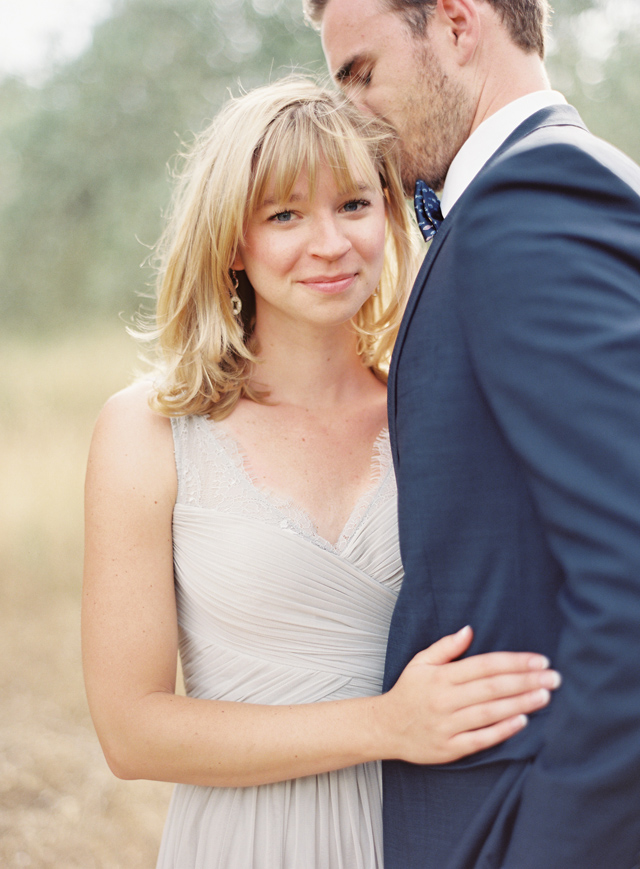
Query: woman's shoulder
pixel 129 412
pixel 132 441
pixel 132 400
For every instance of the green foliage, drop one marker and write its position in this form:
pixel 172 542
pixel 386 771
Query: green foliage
pixel 84 158
pixel 565 9
pixel 606 90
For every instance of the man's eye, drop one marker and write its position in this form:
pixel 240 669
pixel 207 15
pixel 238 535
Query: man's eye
pixel 353 76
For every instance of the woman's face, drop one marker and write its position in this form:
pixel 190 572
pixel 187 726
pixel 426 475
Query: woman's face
pixel 314 259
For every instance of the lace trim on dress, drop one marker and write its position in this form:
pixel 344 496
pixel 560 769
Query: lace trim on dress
pixel 214 473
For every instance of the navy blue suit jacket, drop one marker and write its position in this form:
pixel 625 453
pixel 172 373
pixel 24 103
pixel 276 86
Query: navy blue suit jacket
pixel 515 425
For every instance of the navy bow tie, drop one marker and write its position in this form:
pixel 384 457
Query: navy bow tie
pixel 428 212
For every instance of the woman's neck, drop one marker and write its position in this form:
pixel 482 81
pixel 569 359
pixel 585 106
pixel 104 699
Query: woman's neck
pixel 310 368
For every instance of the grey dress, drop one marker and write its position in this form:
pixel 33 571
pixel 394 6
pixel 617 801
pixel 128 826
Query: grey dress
pixel 270 612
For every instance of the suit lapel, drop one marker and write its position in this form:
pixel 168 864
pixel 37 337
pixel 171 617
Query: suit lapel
pixel 553 116
pixel 416 292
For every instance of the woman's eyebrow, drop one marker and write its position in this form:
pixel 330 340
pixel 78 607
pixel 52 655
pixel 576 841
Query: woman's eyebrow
pixel 295 197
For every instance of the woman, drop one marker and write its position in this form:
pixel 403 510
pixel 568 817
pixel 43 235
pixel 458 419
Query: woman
pixel 242 508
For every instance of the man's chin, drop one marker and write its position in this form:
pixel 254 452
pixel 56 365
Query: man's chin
pixel 412 171
pixel 409 182
pixel 409 176
pixel 408 185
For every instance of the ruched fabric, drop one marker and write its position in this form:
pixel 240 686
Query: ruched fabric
pixel 271 613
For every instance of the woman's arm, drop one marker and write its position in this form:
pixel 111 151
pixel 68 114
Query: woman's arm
pixel 438 711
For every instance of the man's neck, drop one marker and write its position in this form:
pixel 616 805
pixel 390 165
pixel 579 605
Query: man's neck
pixel 526 75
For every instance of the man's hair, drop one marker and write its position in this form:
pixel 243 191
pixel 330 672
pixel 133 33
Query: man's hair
pixel 525 20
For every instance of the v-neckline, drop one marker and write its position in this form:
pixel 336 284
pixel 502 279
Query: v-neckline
pixel 298 518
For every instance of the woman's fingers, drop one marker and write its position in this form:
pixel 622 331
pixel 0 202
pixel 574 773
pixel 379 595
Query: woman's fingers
pixel 496 663
pixel 486 725
pixel 472 741
pixel 505 685
pixel 447 648
pixel 446 708
pixel 483 726
pixel 486 714
pixel 452 646
pixel 480 678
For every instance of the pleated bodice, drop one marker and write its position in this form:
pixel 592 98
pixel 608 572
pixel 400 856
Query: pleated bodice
pixel 270 612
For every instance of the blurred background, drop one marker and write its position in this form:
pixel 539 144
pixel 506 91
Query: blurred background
pixel 96 97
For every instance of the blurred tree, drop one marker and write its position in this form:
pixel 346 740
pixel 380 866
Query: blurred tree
pixel 83 158
pixel 594 59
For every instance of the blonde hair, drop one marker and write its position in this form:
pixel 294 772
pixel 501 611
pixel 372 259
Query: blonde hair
pixel 269 135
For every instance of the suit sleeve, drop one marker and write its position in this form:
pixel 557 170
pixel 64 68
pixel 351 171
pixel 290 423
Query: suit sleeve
pixel 548 293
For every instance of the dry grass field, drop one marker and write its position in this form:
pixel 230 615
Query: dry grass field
pixel 59 804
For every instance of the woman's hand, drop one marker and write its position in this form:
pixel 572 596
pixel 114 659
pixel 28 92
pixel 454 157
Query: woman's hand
pixel 442 709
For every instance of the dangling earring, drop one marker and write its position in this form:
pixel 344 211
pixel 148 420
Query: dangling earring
pixel 236 301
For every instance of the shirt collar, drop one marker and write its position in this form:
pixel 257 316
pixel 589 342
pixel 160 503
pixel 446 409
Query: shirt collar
pixel 487 138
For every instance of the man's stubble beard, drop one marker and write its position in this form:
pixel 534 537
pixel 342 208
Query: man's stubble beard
pixel 438 122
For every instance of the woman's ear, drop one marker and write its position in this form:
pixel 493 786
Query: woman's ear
pixel 237 264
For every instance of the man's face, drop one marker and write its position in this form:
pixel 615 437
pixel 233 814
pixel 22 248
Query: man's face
pixel 398 76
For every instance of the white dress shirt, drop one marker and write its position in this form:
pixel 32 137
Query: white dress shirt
pixel 487 138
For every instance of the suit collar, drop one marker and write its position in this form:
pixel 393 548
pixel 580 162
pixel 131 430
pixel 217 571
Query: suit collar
pixel 552 116
pixel 488 137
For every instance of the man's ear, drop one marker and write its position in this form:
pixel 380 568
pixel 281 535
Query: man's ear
pixel 461 19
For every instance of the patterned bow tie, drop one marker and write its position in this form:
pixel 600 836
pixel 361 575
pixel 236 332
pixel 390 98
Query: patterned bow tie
pixel 428 212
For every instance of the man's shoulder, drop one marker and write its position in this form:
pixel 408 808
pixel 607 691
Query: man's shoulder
pixel 551 178
pixel 559 151
pixel 562 164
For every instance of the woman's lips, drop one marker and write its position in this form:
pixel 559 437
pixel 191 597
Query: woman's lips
pixel 330 284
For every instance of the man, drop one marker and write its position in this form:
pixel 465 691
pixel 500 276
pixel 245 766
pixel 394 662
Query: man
pixel 514 402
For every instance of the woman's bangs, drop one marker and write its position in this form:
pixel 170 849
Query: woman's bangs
pixel 304 142
pixel 351 163
pixel 282 156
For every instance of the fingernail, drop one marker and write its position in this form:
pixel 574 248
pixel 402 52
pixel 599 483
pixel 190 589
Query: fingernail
pixel 551 679
pixel 539 662
pixel 543 696
pixel 464 630
pixel 522 721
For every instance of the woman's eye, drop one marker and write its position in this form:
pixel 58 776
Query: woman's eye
pixel 282 217
pixel 355 205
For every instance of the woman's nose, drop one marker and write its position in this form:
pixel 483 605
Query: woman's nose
pixel 328 239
